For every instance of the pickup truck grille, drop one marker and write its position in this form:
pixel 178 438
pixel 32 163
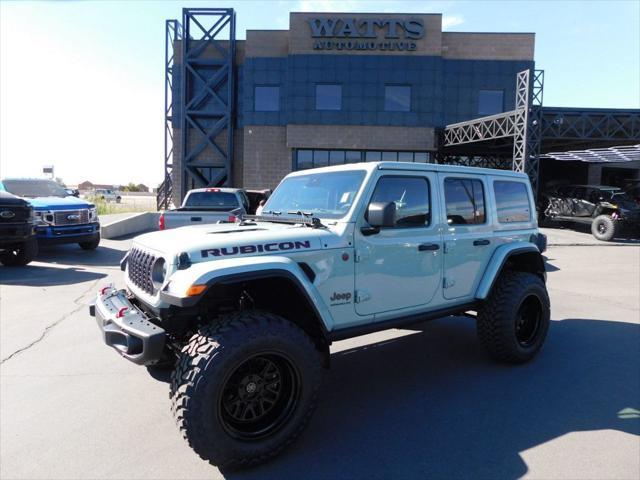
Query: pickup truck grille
pixel 139 264
pixel 13 214
pixel 71 217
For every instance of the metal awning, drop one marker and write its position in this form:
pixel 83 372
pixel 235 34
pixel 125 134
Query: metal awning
pixel 627 153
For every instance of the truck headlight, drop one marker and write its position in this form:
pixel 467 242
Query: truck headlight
pixel 93 215
pixel 159 272
pixel 43 217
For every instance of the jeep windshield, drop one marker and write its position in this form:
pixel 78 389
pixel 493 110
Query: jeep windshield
pixel 324 195
pixel 34 188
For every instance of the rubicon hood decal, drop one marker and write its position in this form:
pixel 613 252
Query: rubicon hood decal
pixel 249 249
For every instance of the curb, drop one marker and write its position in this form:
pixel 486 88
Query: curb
pixel 138 222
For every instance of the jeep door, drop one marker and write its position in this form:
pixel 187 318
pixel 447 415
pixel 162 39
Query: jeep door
pixel 399 267
pixel 468 235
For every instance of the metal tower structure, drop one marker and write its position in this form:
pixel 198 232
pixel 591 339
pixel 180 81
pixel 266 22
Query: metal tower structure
pixel 199 101
pixel 173 35
pixel 523 124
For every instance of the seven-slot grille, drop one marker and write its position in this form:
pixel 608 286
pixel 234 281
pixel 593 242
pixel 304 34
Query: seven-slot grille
pixel 71 217
pixel 140 264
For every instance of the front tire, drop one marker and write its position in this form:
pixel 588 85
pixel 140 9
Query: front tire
pixel 604 228
pixel 21 255
pixel 513 323
pixel 90 244
pixel 245 387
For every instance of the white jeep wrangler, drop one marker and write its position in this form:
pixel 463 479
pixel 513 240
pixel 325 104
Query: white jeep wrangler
pixel 245 312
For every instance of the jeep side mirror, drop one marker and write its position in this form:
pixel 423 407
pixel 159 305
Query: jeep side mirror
pixel 379 215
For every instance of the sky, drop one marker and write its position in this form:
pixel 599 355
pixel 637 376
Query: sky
pixel 82 82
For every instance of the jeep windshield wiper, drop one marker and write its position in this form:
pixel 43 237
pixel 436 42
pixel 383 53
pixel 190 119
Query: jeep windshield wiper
pixel 304 219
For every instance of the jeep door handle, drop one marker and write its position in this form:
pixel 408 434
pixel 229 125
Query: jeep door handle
pixel 428 246
pixel 477 243
pixel 196 219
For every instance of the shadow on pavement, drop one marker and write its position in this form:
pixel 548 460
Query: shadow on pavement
pixel 39 276
pixel 431 405
pixel 103 256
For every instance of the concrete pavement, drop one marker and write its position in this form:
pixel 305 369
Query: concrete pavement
pixel 423 402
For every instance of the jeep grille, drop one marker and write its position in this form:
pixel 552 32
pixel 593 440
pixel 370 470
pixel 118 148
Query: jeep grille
pixel 71 217
pixel 139 269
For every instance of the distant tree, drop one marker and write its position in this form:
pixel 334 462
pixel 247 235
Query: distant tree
pixel 131 187
pixel 142 187
pixel 59 181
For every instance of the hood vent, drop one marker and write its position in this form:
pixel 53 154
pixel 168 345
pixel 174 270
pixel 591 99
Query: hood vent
pixel 238 231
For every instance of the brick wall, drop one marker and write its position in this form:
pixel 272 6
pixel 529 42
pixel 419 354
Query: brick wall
pixel 266 157
pixel 488 46
pixel 360 137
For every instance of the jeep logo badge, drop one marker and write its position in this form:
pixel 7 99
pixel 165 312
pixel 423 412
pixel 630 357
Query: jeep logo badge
pixel 6 214
pixel 73 217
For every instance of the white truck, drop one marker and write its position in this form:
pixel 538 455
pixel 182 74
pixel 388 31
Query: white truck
pixel 206 205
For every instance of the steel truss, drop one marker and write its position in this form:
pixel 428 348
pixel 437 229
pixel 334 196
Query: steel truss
pixel 207 97
pixel 523 124
pixel 173 34
pixel 596 124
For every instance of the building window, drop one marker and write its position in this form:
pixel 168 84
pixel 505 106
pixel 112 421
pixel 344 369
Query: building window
pixel 397 98
pixel 464 199
pixel 490 102
pixel 303 158
pixel 328 97
pixel 266 99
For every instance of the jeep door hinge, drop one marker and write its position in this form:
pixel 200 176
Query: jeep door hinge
pixel 361 254
pixel 362 296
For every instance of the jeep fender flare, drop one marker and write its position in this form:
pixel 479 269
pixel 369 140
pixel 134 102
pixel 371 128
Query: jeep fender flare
pixel 237 270
pixel 528 253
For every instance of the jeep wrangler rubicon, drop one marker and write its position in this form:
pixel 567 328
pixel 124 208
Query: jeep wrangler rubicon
pixel 245 312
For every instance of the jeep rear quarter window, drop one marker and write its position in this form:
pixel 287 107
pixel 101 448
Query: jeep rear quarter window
pixel 464 199
pixel 512 201
pixel 411 196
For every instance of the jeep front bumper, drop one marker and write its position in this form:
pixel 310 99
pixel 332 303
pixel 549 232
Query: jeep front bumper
pixel 126 328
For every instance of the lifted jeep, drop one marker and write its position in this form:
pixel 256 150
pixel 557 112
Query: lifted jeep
pixel 245 312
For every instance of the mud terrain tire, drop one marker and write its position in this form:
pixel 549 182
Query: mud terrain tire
pixel 513 323
pixel 245 387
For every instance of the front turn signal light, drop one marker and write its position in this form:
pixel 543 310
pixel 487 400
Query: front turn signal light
pixel 194 290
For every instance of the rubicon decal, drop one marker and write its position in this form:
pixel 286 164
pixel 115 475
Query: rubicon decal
pixel 249 249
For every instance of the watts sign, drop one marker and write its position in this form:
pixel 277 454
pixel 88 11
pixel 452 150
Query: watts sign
pixel 354 34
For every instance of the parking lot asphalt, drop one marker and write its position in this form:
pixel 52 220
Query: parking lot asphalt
pixel 423 402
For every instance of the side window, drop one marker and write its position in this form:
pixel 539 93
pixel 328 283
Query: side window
pixel 464 199
pixel 411 196
pixel 512 202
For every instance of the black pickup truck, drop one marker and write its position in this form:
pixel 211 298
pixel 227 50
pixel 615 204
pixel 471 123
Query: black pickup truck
pixel 18 244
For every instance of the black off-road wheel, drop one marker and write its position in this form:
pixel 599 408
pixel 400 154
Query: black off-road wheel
pixel 604 228
pixel 21 255
pixel 244 388
pixel 513 323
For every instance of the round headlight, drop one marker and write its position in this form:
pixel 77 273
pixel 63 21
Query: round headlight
pixel 159 272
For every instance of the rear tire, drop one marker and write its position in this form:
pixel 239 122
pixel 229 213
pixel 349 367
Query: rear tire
pixel 604 228
pixel 245 387
pixel 21 255
pixel 513 323
pixel 90 244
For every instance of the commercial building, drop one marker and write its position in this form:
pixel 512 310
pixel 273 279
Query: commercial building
pixel 337 88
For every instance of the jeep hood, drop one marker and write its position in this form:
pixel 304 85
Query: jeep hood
pixel 216 241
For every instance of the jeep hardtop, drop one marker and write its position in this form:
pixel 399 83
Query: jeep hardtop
pixel 244 313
